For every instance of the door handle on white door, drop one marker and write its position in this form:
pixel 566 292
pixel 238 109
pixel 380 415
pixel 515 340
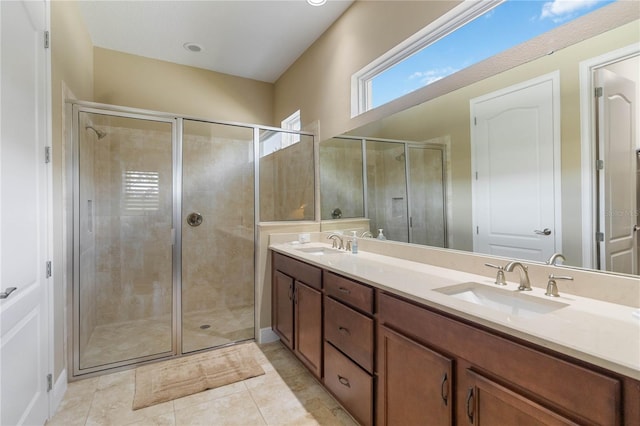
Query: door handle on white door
pixel 545 231
pixel 636 228
pixel 7 292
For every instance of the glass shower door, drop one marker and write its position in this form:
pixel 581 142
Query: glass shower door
pixel 218 217
pixel 426 185
pixel 123 244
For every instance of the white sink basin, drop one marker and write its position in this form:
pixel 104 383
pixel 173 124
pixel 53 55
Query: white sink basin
pixel 514 303
pixel 320 251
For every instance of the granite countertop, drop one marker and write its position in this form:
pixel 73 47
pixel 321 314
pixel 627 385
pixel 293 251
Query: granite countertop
pixel 601 333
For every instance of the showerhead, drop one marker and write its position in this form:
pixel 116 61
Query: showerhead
pixel 100 133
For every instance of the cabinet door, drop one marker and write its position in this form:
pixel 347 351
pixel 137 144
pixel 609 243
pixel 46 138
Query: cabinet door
pixel 282 312
pixel 488 403
pixel 308 326
pixel 415 383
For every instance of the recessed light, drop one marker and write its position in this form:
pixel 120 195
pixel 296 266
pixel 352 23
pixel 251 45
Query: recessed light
pixel 316 2
pixel 192 47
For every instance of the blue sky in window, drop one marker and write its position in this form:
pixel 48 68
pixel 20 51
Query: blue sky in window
pixel 507 25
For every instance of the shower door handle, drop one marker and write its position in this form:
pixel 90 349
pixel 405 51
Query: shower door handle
pixel 194 219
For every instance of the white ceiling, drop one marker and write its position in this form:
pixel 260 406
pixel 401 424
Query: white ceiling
pixel 257 39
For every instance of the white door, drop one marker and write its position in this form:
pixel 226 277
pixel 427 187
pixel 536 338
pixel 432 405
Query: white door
pixel 24 332
pixel 515 145
pixel 617 178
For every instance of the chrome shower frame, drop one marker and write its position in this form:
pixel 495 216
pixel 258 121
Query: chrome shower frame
pixel 72 206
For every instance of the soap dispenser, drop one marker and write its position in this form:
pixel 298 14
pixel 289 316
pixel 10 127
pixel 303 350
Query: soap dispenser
pixel 381 235
pixel 354 243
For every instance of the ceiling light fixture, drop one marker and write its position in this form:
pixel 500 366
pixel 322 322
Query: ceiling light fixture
pixel 316 2
pixel 192 47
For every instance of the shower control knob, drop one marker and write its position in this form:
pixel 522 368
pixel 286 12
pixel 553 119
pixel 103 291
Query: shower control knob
pixel 194 219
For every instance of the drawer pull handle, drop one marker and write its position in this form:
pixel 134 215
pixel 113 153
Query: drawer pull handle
pixel 444 389
pixel 344 381
pixel 344 330
pixel 344 290
pixel 470 405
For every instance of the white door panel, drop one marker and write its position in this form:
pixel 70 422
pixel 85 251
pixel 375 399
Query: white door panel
pixel 617 183
pixel 23 214
pixel 513 140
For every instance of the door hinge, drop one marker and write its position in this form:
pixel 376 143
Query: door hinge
pixel 476 175
pixel 47 154
pixel 475 121
pixel 599 164
pixel 478 230
pixel 49 382
pixel 598 92
pixel 599 237
pixel 46 39
pixel 48 273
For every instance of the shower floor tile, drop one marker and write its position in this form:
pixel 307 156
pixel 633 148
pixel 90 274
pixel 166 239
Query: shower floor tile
pixel 128 340
pixel 287 394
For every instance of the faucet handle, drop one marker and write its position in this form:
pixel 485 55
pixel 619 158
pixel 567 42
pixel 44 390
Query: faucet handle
pixel 500 280
pixel 552 286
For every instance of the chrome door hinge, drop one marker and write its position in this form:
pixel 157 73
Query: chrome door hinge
pixel 47 154
pixel 48 273
pixel 598 92
pixel 599 237
pixel 46 39
pixel 599 164
pixel 49 382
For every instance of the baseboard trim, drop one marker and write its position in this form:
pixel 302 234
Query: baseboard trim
pixel 57 392
pixel 267 335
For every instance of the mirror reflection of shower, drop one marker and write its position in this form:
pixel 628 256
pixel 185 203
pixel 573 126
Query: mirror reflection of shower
pixel 101 134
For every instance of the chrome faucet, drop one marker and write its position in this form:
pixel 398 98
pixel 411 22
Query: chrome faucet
pixel 552 286
pixel 554 257
pixel 525 284
pixel 367 234
pixel 500 280
pixel 336 238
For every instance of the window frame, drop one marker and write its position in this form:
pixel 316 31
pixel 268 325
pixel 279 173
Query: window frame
pixel 361 81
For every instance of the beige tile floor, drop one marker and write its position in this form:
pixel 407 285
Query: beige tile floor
pixel 286 394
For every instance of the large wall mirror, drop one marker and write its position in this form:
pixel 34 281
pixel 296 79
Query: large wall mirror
pixel 366 171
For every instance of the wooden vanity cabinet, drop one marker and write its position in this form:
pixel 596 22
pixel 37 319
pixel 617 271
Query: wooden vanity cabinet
pixel 296 314
pixel 497 379
pixel 414 382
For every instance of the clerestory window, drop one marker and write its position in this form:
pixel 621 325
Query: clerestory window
pixel 468 34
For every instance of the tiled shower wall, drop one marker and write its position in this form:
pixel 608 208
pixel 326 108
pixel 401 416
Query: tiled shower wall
pixel 287 183
pixel 386 190
pixel 341 183
pixel 134 250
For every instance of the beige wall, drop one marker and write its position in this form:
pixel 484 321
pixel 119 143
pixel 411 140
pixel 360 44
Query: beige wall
pixel 319 82
pixel 71 67
pixel 135 81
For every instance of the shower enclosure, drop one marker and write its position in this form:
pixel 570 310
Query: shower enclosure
pixel 163 231
pixel 399 186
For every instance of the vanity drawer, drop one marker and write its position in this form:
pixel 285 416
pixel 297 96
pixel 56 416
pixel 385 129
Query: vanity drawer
pixel 350 292
pixel 350 384
pixel 350 331
pixel 308 274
